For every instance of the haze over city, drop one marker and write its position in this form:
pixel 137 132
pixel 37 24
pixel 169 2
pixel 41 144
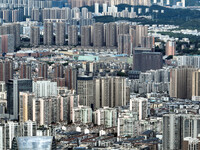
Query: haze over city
pixel 99 75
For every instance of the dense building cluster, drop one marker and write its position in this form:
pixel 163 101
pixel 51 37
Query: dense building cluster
pixel 69 81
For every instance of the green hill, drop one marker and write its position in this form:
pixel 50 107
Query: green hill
pixel 185 18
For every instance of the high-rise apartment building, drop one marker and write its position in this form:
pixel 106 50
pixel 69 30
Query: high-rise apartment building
pixel 60 33
pixel 102 92
pixel 132 32
pixel 34 36
pixel 191 143
pixel 66 13
pixel 85 35
pixel 111 34
pixel 170 48
pixel 15 15
pixel 75 13
pixel 181 82
pixel 6 43
pixel 48 33
pixel 49 110
pixel 98 34
pixel 106 116
pixel 26 106
pixel 81 3
pixel 2 138
pixel 147 60
pixel 7 15
pixel 14 29
pixel 58 70
pixel 28 128
pixel 60 82
pixel 35 14
pixel 178 126
pixel 110 91
pixel 196 83
pixel 25 71
pixel 148 42
pixel 36 110
pixel 67 103
pixel 6 70
pixel 70 77
pixel 123 28
pixel 13 88
pixel 140 38
pixel 84 13
pixel 3 97
pixel 85 90
pixel 44 88
pixel 105 7
pixel 45 14
pixel 127 124
pixel 43 70
pixel 46 110
pixel 183 3
pixel 96 10
pixel 82 114
pixel 10 130
pixel 141 31
pixel 192 61
pixel 124 44
pixel 72 35
pixel 140 106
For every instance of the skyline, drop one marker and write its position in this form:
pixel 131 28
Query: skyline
pixel 96 75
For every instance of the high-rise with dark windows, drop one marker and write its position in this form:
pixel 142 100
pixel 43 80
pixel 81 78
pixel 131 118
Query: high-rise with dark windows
pixel 13 88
